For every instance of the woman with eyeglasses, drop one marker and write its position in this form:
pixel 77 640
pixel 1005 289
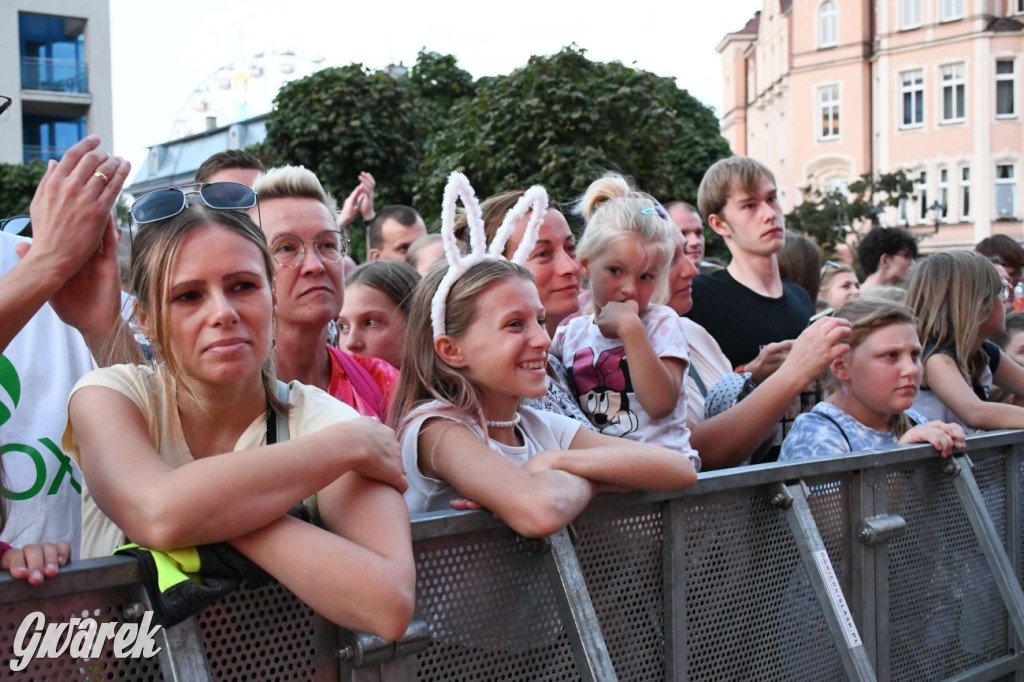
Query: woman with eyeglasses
pixel 958 299
pixel 299 219
pixel 178 453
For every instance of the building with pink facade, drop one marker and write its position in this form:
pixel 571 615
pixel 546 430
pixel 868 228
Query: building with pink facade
pixel 823 91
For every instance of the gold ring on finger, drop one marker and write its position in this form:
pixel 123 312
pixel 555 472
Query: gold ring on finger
pixel 102 177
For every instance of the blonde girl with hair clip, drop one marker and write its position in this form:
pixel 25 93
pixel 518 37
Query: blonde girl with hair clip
pixel 958 298
pixel 626 359
pixel 872 388
pixel 476 346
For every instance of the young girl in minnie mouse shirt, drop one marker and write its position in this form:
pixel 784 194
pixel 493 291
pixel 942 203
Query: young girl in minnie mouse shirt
pixel 627 359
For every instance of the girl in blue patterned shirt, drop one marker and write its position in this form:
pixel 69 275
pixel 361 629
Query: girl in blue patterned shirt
pixel 873 388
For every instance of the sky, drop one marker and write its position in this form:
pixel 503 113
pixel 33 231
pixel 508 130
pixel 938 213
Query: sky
pixel 162 51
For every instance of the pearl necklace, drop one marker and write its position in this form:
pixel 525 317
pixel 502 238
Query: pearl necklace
pixel 504 424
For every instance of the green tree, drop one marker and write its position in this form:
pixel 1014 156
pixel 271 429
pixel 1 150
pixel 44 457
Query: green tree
pixel 340 121
pixel 561 121
pixel 19 183
pixel 828 214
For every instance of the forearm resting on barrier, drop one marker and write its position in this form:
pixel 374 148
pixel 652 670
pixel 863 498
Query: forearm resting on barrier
pixel 211 499
pixel 363 577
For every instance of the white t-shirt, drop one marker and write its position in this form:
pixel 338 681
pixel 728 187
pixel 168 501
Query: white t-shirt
pixel 599 373
pixel 539 431
pixel 37 371
pixel 710 363
pixel 154 391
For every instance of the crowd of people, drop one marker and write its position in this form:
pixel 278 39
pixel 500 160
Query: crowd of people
pixel 296 408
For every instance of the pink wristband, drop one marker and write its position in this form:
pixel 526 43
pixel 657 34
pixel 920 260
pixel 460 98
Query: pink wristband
pixel 4 548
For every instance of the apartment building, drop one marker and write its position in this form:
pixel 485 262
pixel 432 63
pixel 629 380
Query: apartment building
pixel 61 88
pixel 825 90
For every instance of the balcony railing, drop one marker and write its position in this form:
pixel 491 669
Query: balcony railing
pixel 31 152
pixel 56 75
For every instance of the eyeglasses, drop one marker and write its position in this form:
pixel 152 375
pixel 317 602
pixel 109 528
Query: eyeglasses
pixel 289 250
pixel 167 203
pixel 1004 293
pixel 656 210
pixel 18 224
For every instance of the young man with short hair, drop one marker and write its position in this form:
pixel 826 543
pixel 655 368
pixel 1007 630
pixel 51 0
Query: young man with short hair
pixel 747 307
pixel 886 254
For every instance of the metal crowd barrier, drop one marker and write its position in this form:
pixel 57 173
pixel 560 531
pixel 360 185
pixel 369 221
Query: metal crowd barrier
pixel 892 565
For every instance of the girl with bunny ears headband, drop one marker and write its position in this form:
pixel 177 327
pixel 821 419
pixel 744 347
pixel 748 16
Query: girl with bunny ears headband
pixel 475 346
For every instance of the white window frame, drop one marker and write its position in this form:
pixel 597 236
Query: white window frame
pixel 832 105
pixel 921 197
pixel 1010 182
pixel 911 12
pixel 1010 78
pixel 952 78
pixel 1020 7
pixel 915 90
pixel 828 24
pixel 965 193
pixel 951 9
pixel 943 194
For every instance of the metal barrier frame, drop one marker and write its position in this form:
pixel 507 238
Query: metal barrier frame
pixel 864 554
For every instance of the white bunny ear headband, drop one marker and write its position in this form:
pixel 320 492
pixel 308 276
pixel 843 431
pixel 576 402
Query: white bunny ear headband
pixel 534 200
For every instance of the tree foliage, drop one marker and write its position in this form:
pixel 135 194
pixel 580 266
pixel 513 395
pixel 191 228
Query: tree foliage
pixel 19 183
pixel 829 214
pixel 559 120
pixel 562 120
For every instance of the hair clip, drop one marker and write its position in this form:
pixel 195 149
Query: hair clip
pixel 534 200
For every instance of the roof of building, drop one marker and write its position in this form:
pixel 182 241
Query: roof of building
pixel 751 25
pixel 1005 25
pixel 175 162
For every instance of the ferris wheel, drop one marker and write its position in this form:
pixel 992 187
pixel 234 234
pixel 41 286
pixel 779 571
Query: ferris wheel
pixel 241 89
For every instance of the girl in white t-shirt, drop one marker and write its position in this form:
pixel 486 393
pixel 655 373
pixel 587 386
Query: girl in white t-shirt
pixel 476 345
pixel 626 359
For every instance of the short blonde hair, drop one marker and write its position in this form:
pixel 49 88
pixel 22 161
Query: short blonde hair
pixel 286 182
pixel 725 178
pixel 614 210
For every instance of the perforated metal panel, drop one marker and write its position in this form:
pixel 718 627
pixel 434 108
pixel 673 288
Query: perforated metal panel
pixel 750 610
pixel 620 552
pixel 102 605
pixel 491 609
pixel 945 612
pixel 267 634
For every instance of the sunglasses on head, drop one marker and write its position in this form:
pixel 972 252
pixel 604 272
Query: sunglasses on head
pixel 18 224
pixel 162 204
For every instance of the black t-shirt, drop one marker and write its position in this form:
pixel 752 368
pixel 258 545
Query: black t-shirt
pixel 741 320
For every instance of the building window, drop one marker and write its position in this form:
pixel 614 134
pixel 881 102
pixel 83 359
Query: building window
pixel 952 9
pixel 48 137
pixel 912 91
pixel 1020 6
pixel 1006 87
pixel 910 13
pixel 944 192
pixel 828 24
pixel 1006 190
pixel 921 197
pixel 965 192
pixel 828 112
pixel 52 53
pixel 953 93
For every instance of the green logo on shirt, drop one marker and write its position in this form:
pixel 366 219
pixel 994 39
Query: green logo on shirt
pixel 10 382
